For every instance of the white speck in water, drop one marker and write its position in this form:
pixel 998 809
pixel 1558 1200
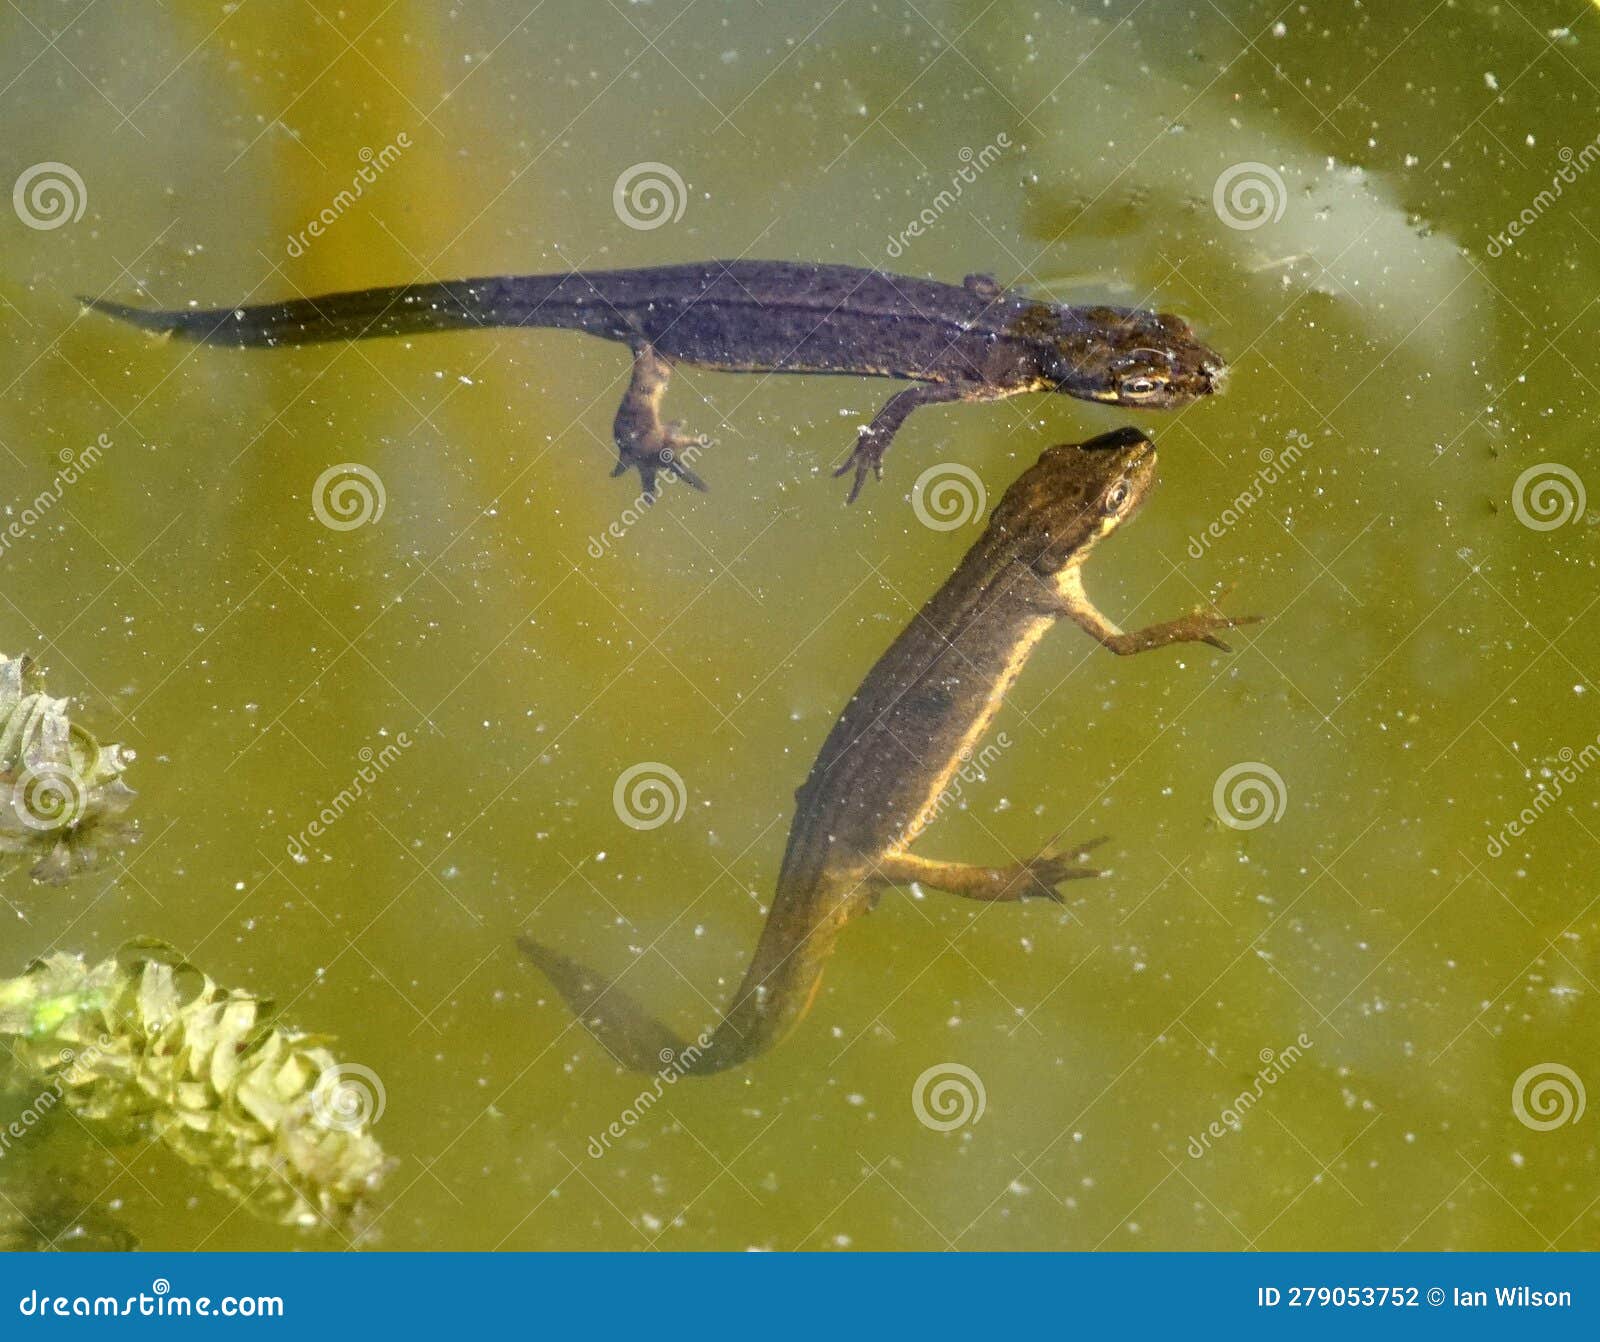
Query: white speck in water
pixel 857 1099
pixel 1490 82
pixel 1280 29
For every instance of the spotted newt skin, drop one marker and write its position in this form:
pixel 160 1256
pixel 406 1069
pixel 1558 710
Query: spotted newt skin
pixel 975 341
pixel 878 779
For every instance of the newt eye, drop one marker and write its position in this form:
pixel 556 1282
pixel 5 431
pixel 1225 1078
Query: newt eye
pixel 1116 498
pixel 1136 388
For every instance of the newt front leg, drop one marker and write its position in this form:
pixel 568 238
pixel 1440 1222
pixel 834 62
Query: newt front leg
pixel 1196 627
pixel 875 437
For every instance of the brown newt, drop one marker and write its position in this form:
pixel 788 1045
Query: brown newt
pixel 975 341
pixel 917 716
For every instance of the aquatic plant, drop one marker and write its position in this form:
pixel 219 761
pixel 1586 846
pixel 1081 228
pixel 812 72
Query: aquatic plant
pixel 145 1043
pixel 61 792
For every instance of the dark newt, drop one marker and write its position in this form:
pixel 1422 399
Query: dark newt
pixel 970 342
pixel 916 717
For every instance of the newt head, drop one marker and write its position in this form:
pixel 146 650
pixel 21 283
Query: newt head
pixel 1125 356
pixel 1072 496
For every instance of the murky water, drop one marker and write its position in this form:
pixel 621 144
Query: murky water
pixel 1375 967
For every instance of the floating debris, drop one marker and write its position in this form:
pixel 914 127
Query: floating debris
pixel 61 792
pixel 146 1043
pixel 53 1212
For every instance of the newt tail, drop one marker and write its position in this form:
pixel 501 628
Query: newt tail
pixel 882 774
pixel 975 341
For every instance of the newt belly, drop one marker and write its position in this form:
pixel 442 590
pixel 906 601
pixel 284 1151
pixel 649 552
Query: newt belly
pixel 879 777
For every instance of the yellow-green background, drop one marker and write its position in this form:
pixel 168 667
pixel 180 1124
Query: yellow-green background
pixel 1426 658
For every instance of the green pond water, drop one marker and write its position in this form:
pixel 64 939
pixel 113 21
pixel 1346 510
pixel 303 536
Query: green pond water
pixel 1384 969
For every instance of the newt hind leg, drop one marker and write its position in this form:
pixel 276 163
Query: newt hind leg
pixel 1034 878
pixel 646 443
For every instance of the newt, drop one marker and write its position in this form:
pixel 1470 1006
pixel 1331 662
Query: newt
pixel 878 780
pixel 975 341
